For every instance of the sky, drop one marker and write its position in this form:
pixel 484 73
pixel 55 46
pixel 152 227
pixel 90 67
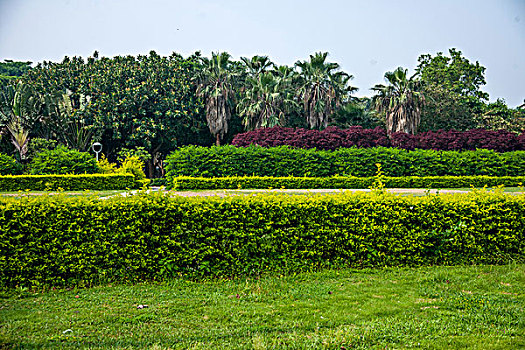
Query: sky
pixel 366 37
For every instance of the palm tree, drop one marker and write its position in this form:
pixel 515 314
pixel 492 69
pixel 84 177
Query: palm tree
pixel 265 100
pixel 20 108
pixel 72 129
pixel 216 86
pixel 20 101
pixel 19 136
pixel 400 101
pixel 322 89
pixel 256 65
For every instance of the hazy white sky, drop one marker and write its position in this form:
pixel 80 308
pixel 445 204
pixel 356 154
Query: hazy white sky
pixel 367 38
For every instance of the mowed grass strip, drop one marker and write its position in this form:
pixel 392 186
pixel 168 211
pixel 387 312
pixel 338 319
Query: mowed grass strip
pixel 475 307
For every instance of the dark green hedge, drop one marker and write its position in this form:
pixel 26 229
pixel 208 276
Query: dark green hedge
pixel 101 182
pixel 54 240
pixel 286 161
pixel 9 166
pixel 207 183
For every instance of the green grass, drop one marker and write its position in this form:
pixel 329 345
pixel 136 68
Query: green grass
pixel 477 307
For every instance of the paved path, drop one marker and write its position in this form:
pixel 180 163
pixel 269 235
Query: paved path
pixel 223 193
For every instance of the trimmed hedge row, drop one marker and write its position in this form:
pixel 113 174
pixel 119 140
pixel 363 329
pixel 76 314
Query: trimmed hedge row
pixel 55 240
pixel 11 183
pixel 261 182
pixel 333 138
pixel 285 161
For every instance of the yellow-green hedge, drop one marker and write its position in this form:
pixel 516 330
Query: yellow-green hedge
pixel 262 182
pixel 67 182
pixel 55 240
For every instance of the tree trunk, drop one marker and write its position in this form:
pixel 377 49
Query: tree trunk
pixel 151 172
pixel 218 140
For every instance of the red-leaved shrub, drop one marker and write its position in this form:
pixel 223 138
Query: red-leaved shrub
pixel 333 138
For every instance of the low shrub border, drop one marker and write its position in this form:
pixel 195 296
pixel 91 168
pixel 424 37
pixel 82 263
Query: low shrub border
pixel 262 182
pixel 10 183
pixel 56 240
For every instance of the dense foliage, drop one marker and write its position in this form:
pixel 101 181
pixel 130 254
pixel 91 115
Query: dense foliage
pixel 286 161
pixel 333 138
pixel 342 182
pixel 53 241
pixel 63 161
pixel 99 182
pixel 145 101
pixel 160 103
pixel 400 101
pixel 452 85
pixel 9 166
pixel 330 138
pixel 10 70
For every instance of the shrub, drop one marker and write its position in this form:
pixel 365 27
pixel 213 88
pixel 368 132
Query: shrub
pixel 328 139
pixel 285 161
pixel 37 145
pixel 63 161
pixel 133 165
pixel 82 182
pixel 333 138
pixel 9 166
pixel 257 182
pixel 500 141
pixel 56 240
pixel 105 167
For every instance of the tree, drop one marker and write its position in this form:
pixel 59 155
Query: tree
pixel 21 101
pixel 265 100
pixel 322 89
pixel 216 87
pixel 400 101
pixel 358 111
pixel 144 101
pixel 256 65
pixel 498 116
pixel 20 110
pixel 11 70
pixel 19 136
pixel 70 125
pixel 452 87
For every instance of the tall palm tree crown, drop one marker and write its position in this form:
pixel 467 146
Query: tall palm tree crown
pixel 322 89
pixel 265 100
pixel 216 86
pixel 266 94
pixel 400 101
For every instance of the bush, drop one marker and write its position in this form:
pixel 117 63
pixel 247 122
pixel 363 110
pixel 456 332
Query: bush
pixel 67 182
pixel 130 165
pixel 333 138
pixel 55 240
pixel 37 145
pixel 63 161
pixel 285 161
pixel 133 165
pixel 9 166
pixel 328 139
pixel 105 167
pixel 346 182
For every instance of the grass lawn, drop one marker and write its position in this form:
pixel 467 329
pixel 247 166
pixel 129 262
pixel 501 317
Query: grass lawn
pixel 477 307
